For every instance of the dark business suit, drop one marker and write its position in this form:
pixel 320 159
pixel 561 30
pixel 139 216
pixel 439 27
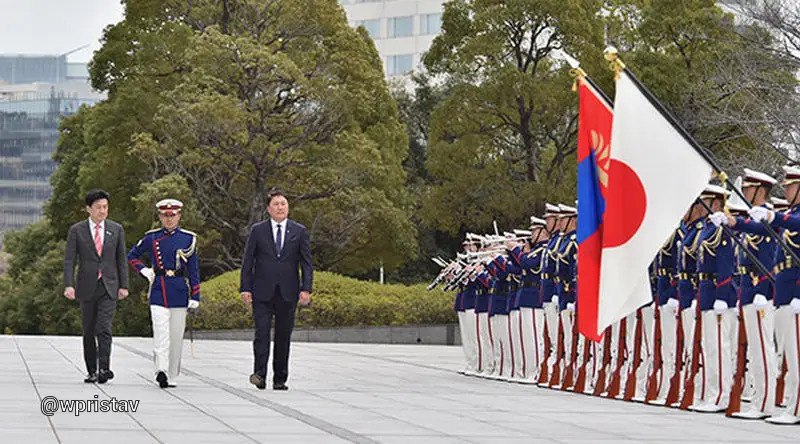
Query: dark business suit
pixel 274 280
pixel 97 297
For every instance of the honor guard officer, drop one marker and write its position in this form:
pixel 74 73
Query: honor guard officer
pixel 787 292
pixel 756 295
pixel 174 285
pixel 465 306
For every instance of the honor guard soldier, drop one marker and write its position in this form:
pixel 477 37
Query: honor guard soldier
pixel 174 279
pixel 465 306
pixel 483 327
pixel 717 294
pixel 531 313
pixel 565 287
pixel 666 271
pixel 756 292
pixel 502 291
pixel 549 297
pixel 787 292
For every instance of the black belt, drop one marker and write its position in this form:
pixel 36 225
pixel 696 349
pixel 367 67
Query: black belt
pixel 686 276
pixel 663 272
pixel 783 265
pixel 529 284
pixel 170 273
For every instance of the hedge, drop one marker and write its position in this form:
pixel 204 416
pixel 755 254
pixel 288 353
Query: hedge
pixel 337 301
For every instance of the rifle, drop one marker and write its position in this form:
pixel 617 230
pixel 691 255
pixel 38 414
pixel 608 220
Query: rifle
pixel 555 377
pixel 548 350
pixel 653 380
pixel 780 387
pixel 675 380
pixel 614 384
pixel 630 382
pixel 735 403
pixel 600 384
pixel 580 381
pixel 569 371
pixel 697 344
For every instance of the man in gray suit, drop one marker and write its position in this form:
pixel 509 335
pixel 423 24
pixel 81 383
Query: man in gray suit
pixel 97 247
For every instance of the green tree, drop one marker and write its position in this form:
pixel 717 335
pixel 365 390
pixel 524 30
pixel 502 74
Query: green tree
pixel 504 138
pixel 236 97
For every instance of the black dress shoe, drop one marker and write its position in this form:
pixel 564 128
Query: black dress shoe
pixel 161 377
pixel 105 375
pixel 279 386
pixel 91 378
pixel 258 381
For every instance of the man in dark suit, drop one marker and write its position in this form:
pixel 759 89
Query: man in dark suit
pixel 276 250
pixel 97 247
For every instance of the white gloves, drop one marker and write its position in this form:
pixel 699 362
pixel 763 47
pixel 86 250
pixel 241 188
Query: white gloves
pixel 571 306
pixel 795 304
pixel 759 214
pixel 193 304
pixel 693 305
pixel 760 302
pixel 554 300
pixel 718 218
pixel 149 274
pixel 673 304
pixel 720 307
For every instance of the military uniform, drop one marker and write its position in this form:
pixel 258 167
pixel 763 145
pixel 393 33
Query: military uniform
pixel 756 293
pixel 548 291
pixel 531 312
pixel 566 276
pixel 667 300
pixel 717 299
pixel 485 345
pixel 174 283
pixel 787 298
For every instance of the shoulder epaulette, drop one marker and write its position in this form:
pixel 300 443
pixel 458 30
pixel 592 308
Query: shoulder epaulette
pixel 189 232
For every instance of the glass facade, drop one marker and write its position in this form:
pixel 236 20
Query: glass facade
pixel 373 27
pixel 400 26
pixel 399 64
pixel 28 137
pixel 430 24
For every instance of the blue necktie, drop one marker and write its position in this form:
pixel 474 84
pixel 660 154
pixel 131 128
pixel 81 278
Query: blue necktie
pixel 278 241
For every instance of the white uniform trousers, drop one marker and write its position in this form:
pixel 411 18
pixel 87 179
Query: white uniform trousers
pixel 567 318
pixel 469 340
pixel 669 338
pixel 501 335
pixel 787 333
pixel 648 341
pixel 517 346
pixel 551 318
pixel 168 327
pixel 533 321
pixel 526 345
pixel 762 362
pixel 485 344
pixel 718 340
pixel 688 321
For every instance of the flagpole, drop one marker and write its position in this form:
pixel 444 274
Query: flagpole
pixel 618 67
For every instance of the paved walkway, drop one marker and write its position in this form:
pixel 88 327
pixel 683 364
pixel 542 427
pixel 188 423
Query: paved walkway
pixel 339 393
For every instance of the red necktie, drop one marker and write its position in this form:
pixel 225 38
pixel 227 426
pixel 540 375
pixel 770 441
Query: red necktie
pixel 98 245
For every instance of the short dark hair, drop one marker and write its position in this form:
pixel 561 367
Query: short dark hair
pixel 95 195
pixel 275 193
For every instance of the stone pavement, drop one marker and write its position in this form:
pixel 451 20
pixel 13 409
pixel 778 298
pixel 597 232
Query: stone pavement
pixel 339 393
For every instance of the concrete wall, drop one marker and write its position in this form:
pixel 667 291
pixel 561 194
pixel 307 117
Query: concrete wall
pixel 408 334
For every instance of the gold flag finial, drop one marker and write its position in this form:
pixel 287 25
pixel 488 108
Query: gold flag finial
pixel 579 74
pixel 612 55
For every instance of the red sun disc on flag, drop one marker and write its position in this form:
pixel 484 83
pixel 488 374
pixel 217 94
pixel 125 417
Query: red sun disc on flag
pixel 625 207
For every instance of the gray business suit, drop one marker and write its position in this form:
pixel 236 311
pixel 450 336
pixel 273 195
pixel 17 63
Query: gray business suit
pixel 97 297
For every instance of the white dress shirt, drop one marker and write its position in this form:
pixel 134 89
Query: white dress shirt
pixel 102 231
pixel 275 232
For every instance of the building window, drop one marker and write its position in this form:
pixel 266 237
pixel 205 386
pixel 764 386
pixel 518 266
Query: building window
pixel 401 26
pixel 430 24
pixel 399 64
pixel 373 27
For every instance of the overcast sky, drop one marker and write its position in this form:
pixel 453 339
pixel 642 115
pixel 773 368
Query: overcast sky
pixel 55 26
